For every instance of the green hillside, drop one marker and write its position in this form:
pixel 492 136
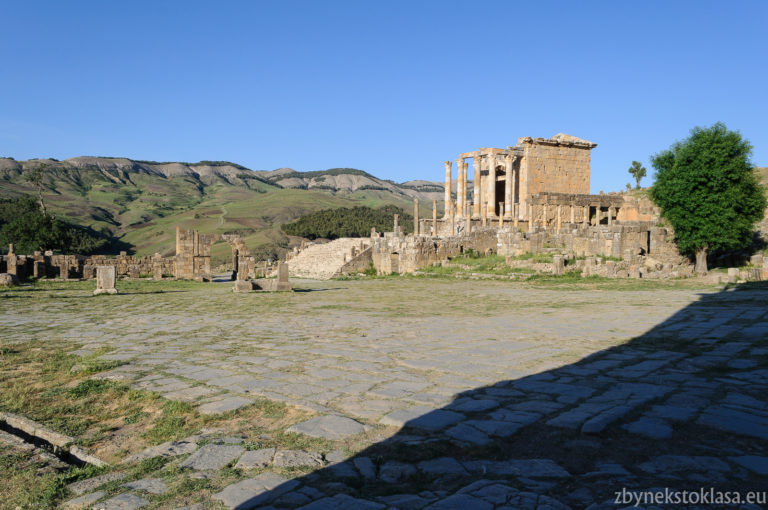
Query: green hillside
pixel 141 202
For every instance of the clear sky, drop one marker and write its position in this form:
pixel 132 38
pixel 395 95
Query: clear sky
pixel 394 88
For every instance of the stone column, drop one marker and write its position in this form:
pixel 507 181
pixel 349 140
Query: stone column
pixel 597 215
pixel 530 217
pixel 434 218
pixel 508 189
pixel 468 221
pixel 447 197
pixel 516 214
pixel 464 185
pixel 610 215
pixel 585 219
pixel 573 214
pixel 453 220
pixel 559 217
pixel 480 193
pixel 544 217
pixel 415 216
pixel 459 189
pixel 501 214
pixel 476 193
pixel 491 185
pixel 396 226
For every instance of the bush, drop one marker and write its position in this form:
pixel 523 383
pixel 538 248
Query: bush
pixel 22 224
pixel 348 222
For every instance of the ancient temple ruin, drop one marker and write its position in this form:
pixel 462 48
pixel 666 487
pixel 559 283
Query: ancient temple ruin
pixel 505 180
pixel 529 198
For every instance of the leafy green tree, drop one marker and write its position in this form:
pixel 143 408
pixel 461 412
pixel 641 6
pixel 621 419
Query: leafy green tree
pixel 637 170
pixel 23 224
pixel 35 176
pixel 707 188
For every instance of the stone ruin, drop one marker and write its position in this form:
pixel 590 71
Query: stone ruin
pixel 534 198
pixel 105 280
pixel 192 261
pixel 279 284
pixel 193 255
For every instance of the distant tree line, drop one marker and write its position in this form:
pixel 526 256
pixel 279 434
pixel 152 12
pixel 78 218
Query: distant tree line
pixel 348 222
pixel 24 224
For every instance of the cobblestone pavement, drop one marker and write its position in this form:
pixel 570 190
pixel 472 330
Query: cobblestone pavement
pixel 508 396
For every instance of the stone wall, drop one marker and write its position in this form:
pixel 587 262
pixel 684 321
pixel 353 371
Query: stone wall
pixel 406 254
pixel 47 265
pixel 627 242
pixel 553 165
pixel 358 263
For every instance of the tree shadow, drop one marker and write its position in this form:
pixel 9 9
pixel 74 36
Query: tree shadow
pixel 682 406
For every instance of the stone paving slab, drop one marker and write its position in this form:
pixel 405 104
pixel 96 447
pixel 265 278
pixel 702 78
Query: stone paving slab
pixel 90 484
pixel 84 501
pixel 213 456
pixel 588 373
pixel 149 485
pixel 125 501
pixel 253 492
pixel 224 405
pixel 328 427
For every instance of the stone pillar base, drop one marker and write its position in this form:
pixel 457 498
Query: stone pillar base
pixel 104 291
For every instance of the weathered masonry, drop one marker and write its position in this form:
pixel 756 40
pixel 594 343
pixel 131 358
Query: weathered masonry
pixel 505 180
pixel 532 198
pixel 192 261
pixel 193 255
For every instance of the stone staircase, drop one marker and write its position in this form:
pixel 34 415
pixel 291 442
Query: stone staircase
pixel 322 261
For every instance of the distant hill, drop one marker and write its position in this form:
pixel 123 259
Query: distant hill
pixel 141 202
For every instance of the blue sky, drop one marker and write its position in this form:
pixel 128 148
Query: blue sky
pixel 394 88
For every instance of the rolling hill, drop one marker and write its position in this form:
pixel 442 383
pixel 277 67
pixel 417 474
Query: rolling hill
pixel 142 202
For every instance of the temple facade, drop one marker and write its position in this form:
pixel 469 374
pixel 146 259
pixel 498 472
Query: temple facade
pixel 505 181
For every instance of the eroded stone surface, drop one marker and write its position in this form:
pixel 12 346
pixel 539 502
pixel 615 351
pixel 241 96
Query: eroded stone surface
pixel 328 427
pixel 150 485
pixel 213 456
pixel 125 501
pixel 252 492
pixel 90 484
pixel 84 501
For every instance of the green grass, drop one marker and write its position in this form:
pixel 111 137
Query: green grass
pixel 541 258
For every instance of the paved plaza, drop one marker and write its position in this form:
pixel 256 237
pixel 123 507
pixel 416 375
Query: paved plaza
pixel 483 395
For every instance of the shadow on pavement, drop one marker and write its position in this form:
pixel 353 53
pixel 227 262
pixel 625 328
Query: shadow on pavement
pixel 684 406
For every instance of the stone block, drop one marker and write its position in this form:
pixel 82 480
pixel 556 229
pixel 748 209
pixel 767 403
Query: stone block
pixel 8 280
pixel 243 286
pixel 733 274
pixel 558 265
pixel 105 280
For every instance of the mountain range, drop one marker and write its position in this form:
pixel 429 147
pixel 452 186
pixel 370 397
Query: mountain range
pixel 142 202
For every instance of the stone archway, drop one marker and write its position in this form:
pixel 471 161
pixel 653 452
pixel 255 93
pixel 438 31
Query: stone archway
pixel 193 255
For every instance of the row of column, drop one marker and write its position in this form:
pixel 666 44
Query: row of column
pixel 484 187
pixel 585 216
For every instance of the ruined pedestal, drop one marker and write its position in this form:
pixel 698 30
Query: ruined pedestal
pixel 243 286
pixel 558 265
pixel 105 280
